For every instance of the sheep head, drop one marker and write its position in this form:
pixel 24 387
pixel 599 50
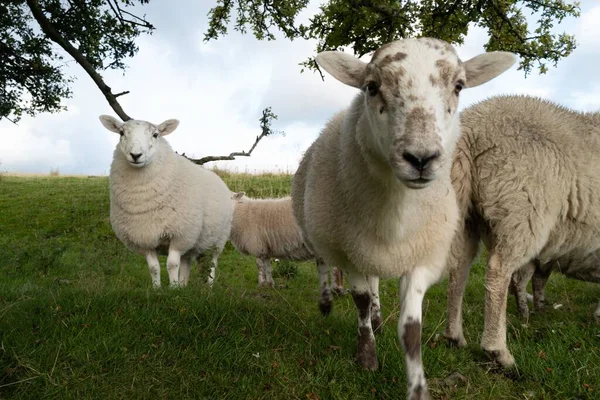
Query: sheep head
pixel 411 90
pixel 139 139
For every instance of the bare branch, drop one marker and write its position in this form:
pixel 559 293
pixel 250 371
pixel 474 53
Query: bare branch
pixel 122 93
pixel 56 37
pixel 265 124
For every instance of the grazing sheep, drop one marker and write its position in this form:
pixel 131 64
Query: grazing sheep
pixel 527 177
pixel 584 267
pixel 161 201
pixel 265 229
pixel 373 194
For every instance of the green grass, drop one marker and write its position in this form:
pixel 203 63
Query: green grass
pixel 79 319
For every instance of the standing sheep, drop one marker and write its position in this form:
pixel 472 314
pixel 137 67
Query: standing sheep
pixel 527 177
pixel 373 194
pixel 161 201
pixel 265 229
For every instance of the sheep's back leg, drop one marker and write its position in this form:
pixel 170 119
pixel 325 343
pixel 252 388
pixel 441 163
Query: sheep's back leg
pixel 261 270
pixel 268 271
pixel 326 298
pixel 412 290
pixel 376 319
pixel 213 267
pixel 337 285
pixel 518 286
pixel 464 249
pixel 173 264
pixel 153 267
pixel 361 294
pixel 538 284
pixel 184 270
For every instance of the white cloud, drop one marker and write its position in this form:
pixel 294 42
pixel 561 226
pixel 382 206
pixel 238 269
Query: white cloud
pixel 588 30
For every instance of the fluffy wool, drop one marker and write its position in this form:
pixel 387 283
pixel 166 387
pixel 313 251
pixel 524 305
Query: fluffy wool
pixel 373 193
pixel 170 205
pixel 527 177
pixel 267 228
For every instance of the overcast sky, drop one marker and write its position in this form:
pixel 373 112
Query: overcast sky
pixel 218 89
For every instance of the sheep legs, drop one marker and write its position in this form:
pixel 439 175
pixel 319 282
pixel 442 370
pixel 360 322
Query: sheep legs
pixel 361 294
pixel 538 284
pixel 518 286
pixel 376 319
pixel 184 270
pixel 173 264
pixel 153 267
pixel 493 340
pixel 597 314
pixel 412 290
pixel 463 251
pixel 326 299
pixel 337 281
pixel 213 268
pixel 265 275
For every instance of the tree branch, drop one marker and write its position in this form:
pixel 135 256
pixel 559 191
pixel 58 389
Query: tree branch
pixel 265 124
pixel 56 37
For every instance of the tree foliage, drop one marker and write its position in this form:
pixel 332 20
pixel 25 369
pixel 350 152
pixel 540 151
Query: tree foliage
pixel 32 77
pixel 364 25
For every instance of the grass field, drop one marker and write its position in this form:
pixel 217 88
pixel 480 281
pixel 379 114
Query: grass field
pixel 79 319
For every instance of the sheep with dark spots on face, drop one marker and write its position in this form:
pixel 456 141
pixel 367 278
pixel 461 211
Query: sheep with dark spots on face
pixel 527 177
pixel 374 196
pixel 160 202
pixel 266 229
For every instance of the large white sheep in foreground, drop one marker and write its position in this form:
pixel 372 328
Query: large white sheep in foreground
pixel 160 201
pixel 373 194
pixel 267 228
pixel 527 177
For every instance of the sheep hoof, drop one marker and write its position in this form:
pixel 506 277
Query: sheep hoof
pixel 266 285
pixel 458 342
pixel 339 291
pixel 502 357
pixel 367 361
pixel 326 307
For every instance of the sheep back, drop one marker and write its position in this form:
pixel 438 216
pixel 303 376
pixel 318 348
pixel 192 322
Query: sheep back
pixel 267 228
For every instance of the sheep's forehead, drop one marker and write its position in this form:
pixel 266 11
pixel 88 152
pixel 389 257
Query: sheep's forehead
pixel 136 126
pixel 404 65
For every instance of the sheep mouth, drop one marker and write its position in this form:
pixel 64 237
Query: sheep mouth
pixel 418 183
pixel 137 164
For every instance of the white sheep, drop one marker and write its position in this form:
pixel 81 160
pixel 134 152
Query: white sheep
pixel 373 194
pixel 161 201
pixel 265 229
pixel 527 177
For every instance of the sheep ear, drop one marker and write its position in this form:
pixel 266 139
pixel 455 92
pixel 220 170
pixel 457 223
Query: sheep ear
pixel 111 123
pixel 238 195
pixel 487 66
pixel 168 126
pixel 344 67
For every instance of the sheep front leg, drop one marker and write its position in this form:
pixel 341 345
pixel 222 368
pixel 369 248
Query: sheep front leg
pixel 268 271
pixel 213 268
pixel 265 274
pixel 261 271
pixel 326 299
pixel 493 340
pixel 361 294
pixel 376 319
pixel 184 270
pixel 153 267
pixel 412 290
pixel 173 263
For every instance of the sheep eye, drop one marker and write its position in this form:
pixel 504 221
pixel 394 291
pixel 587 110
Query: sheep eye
pixel 458 87
pixel 372 88
pixel 155 135
pixel 121 132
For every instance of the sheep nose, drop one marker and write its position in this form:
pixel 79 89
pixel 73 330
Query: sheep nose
pixel 421 161
pixel 135 156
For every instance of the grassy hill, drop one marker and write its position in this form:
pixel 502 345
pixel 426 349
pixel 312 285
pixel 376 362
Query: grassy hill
pixel 79 319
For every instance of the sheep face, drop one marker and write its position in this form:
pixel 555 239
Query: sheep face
pixel 139 139
pixel 411 89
